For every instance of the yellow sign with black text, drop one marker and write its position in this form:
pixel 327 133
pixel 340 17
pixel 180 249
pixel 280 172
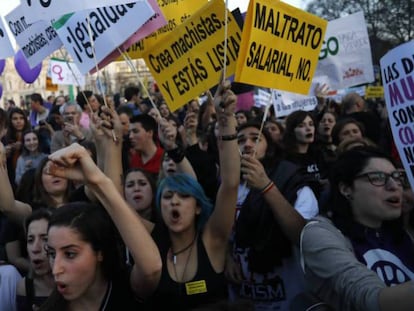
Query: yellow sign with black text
pixel 280 46
pixel 175 12
pixel 374 92
pixel 189 61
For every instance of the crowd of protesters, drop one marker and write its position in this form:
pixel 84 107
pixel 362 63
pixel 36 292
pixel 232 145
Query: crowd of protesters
pixel 108 205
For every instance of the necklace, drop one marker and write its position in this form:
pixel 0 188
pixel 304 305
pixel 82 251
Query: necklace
pixel 106 298
pixel 174 254
pixel 190 246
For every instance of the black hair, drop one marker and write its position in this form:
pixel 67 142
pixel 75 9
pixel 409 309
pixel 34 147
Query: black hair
pixel 11 135
pixel 153 184
pixel 24 190
pixel 130 91
pixel 24 149
pixel 125 109
pixel 4 121
pixel 347 166
pixel 40 194
pixel 95 227
pixel 274 151
pixel 36 97
pixel 148 123
pixel 40 213
pixel 82 98
pixel 292 121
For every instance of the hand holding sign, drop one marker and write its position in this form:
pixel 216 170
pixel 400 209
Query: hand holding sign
pixel 167 134
pixel 224 101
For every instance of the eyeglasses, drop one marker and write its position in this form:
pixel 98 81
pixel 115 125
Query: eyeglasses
pixel 380 178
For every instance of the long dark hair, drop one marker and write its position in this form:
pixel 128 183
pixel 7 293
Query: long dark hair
pixel 24 190
pixel 11 135
pixel 25 152
pixel 153 184
pixel 40 194
pixel 292 121
pixel 40 213
pixel 95 227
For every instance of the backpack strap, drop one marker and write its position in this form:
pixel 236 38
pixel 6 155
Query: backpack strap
pixel 29 285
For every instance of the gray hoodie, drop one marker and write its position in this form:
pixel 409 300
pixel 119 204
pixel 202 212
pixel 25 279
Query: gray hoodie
pixel 332 271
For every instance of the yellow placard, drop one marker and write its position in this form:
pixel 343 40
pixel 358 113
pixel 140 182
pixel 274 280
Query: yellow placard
pixel 175 12
pixel 50 86
pixel 280 46
pixel 374 92
pixel 189 61
pixel 196 287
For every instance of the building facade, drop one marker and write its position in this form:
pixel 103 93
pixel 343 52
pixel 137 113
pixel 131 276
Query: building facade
pixel 114 78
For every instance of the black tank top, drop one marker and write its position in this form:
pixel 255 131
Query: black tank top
pixel 205 288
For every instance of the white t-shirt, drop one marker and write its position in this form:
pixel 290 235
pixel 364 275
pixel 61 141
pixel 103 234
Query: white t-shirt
pixel 276 289
pixel 9 277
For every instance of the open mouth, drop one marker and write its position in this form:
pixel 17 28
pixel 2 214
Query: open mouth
pixel 137 197
pixel 394 200
pixel 61 287
pixel 309 135
pixel 175 214
pixel 37 262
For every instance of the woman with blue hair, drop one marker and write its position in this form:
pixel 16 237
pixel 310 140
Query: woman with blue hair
pixel 191 234
pixel 184 183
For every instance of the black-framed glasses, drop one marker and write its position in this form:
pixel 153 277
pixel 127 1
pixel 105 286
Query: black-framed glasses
pixel 380 178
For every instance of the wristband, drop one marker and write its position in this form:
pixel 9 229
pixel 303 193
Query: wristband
pixel 176 154
pixel 228 137
pixel 267 187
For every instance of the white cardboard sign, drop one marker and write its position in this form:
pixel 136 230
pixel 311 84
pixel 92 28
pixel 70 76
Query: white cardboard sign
pixel 66 73
pixel 37 40
pixel 397 68
pixel 6 49
pixel 346 53
pixel 109 27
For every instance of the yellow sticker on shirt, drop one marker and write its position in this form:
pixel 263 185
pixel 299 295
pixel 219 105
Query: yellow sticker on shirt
pixel 196 287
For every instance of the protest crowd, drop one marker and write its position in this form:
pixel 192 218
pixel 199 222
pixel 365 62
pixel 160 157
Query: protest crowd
pixel 219 200
pixel 141 202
